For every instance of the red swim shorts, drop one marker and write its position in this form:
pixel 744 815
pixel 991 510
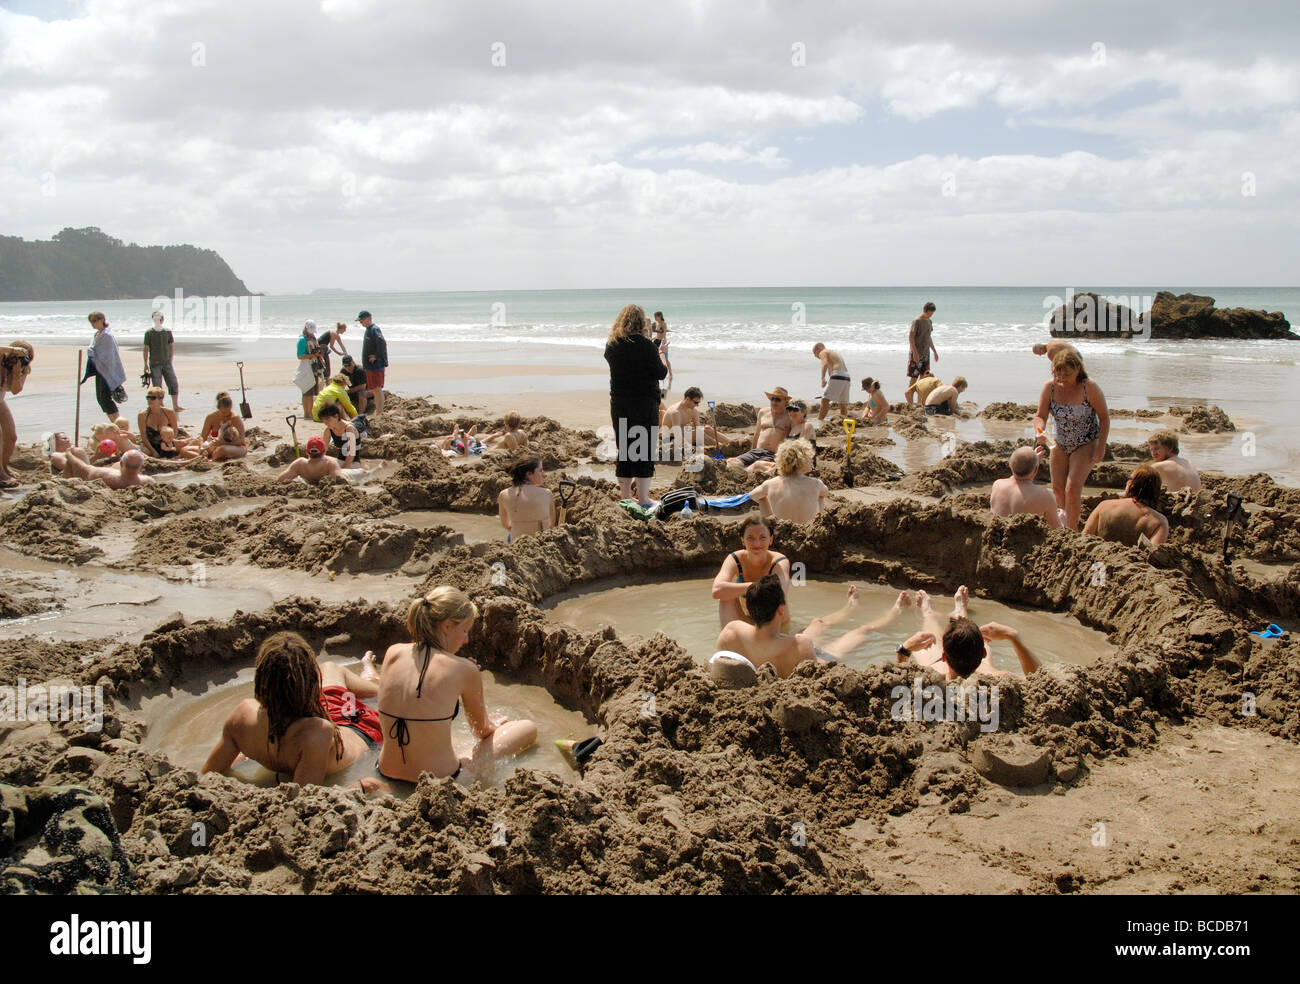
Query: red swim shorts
pixel 374 379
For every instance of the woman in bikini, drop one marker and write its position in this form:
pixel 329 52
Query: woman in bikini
pixel 528 506
pixel 15 367
pixel 422 688
pixel 1082 424
pixel 214 445
pixel 744 567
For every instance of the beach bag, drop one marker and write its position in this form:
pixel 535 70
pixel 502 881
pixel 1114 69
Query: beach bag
pixel 304 378
pixel 677 500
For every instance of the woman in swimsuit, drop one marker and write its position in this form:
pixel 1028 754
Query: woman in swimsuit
pixel 295 727
pixel 342 434
pixel 217 421
pixel 15 367
pixel 528 506
pixel 1078 407
pixel 744 567
pixel 422 687
pixel 151 422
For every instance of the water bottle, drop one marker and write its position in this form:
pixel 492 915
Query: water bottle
pixel 686 511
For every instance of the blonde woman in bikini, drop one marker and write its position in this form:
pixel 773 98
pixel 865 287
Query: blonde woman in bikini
pixel 1078 407
pixel 528 506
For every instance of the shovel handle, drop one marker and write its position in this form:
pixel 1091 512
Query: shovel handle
pixel 565 487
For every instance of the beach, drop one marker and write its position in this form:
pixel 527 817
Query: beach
pixel 160 596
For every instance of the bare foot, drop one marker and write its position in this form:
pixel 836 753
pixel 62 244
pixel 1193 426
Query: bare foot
pixel 923 603
pixel 853 596
pixel 959 601
pixel 368 671
pixel 904 601
pixel 178 409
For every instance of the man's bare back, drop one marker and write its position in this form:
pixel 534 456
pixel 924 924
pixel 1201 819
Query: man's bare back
pixel 1013 496
pixel 312 470
pixel 783 650
pixel 1176 473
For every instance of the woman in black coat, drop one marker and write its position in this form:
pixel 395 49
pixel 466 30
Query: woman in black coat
pixel 636 365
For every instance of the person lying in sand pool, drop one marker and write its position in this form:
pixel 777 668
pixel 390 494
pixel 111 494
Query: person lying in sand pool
pixel 681 423
pixel 943 398
pixel 962 648
pixel 1018 494
pixel 422 686
pixel 61 443
pixel 459 442
pixel 1176 473
pixel 877 409
pixel 304 720
pixel 528 506
pixel 772 428
pixel 763 641
pixel 1135 516
pixel 122 475
pixel 793 494
pixel 513 438
pixel 316 467
pixel 741 569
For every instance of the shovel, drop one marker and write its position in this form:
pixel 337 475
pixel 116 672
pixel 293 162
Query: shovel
pixel 850 425
pixel 291 420
pixel 566 487
pixel 1234 512
pixel 245 410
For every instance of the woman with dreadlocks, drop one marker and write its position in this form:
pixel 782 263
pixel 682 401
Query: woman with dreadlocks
pixel 291 725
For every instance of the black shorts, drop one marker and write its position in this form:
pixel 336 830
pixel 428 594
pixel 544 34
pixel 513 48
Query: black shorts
pixel 757 454
pixel 938 410
pixel 104 396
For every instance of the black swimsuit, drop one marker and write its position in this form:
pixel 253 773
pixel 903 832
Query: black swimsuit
pixel 154 436
pixel 400 733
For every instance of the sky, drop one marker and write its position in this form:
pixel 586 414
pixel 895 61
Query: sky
pixel 372 145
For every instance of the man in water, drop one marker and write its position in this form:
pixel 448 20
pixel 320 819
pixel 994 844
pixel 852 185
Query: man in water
pixel 1176 473
pixel 303 720
pixel 681 423
pixel 764 642
pixel 920 344
pixel 1134 518
pixel 1018 494
pixel 374 359
pixel 922 388
pixel 772 428
pixel 836 390
pixel 314 468
pixel 124 474
pixel 942 400
pixel 159 351
pixel 793 494
pixel 962 648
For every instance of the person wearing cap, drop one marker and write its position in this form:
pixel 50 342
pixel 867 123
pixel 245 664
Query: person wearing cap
pixel 801 429
pixel 358 392
pixel 159 350
pixel 773 427
pixel 316 467
pixel 106 365
pixel 308 376
pixel 374 359
pixel 124 474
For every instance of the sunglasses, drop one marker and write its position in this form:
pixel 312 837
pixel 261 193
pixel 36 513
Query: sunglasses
pixel 153 397
pixel 221 404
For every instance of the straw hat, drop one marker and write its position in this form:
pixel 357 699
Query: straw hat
pixel 779 393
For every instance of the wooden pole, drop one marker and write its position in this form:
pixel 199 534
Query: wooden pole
pixel 76 427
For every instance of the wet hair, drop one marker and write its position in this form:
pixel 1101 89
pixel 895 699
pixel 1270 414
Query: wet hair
pixel 443 604
pixel 286 682
pixel 521 469
pixel 870 385
pixel 963 646
pixel 157 391
pixel 754 519
pixel 224 398
pixel 95 316
pixel 960 383
pixel 694 393
pixel 1166 439
pixel 1144 485
pixel 792 456
pixel 1023 461
pixel 763 598
pixel 630 322
pixel 929 306
pixel 330 410
pixel 1069 357
pixel 512 420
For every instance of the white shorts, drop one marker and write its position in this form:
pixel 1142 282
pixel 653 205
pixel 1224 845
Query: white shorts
pixel 837 390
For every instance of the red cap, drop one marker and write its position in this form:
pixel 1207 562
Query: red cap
pixel 107 447
pixel 316 442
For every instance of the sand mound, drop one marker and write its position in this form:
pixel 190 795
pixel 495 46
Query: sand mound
pixel 735 416
pixel 1021 412
pixel 1203 420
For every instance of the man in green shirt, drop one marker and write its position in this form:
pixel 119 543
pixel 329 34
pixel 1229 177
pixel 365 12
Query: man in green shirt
pixel 158 351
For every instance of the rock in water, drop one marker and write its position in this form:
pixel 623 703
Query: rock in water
pixel 1195 316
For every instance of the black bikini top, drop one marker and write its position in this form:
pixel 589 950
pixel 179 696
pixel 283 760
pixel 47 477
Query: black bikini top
pixel 399 732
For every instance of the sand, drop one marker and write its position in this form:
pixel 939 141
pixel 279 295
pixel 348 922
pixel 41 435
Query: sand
pixel 797 786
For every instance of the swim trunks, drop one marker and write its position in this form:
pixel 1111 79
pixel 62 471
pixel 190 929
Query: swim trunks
pixel 837 390
pixel 825 656
pixel 375 379
pixel 938 409
pixel 757 454
pixel 346 710
pixel 921 365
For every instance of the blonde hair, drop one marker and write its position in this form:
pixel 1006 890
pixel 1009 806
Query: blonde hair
pixel 340 379
pixel 123 425
pixel 443 604
pixel 960 383
pixel 230 435
pixel 792 456
pixel 630 322
pixel 512 419
pixel 1069 357
pixel 154 391
pixel 166 431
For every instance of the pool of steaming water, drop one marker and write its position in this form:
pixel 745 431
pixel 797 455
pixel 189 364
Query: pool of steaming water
pixel 186 726
pixel 684 611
